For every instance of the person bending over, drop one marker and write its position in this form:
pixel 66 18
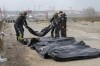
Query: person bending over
pixel 18 25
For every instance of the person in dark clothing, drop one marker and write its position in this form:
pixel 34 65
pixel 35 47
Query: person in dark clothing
pixel 18 25
pixel 63 19
pixel 55 28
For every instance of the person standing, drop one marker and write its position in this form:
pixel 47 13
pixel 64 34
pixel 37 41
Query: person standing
pixel 55 28
pixel 2 59
pixel 63 19
pixel 18 25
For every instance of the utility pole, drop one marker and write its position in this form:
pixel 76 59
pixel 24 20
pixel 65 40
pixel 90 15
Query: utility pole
pixel 4 18
pixel 39 7
pixel 4 13
pixel 34 8
pixel 0 14
pixel 53 8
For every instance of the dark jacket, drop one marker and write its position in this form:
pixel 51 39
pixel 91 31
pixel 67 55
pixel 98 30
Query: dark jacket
pixel 54 20
pixel 20 21
pixel 63 19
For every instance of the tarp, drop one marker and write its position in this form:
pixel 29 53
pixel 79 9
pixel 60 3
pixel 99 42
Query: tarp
pixel 63 49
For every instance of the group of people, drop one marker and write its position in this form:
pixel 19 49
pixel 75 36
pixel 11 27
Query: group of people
pixel 58 21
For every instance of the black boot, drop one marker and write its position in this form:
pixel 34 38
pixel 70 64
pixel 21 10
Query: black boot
pixel 17 38
pixel 52 35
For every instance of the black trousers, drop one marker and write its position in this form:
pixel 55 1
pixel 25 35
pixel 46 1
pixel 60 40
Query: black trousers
pixel 55 31
pixel 16 30
pixel 63 31
pixel 19 30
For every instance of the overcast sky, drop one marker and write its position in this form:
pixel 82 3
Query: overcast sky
pixel 48 4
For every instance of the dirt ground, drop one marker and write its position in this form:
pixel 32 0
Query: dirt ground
pixel 21 55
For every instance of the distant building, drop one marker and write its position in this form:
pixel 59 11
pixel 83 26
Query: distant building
pixel 34 16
